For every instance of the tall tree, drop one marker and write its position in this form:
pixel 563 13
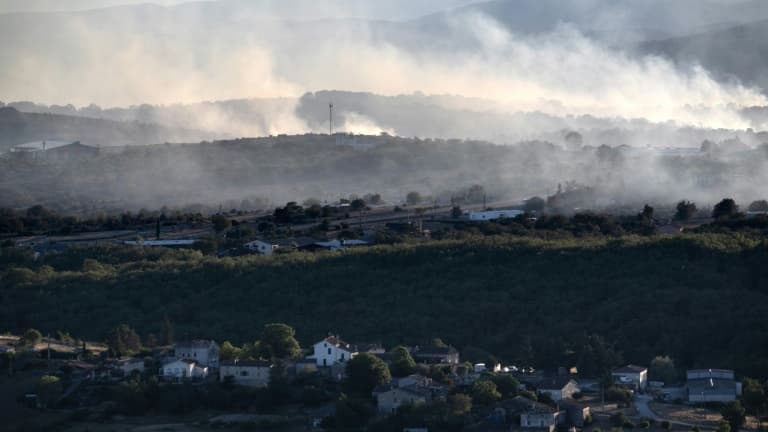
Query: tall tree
pixel 31 337
pixel 279 341
pixel 365 372
pixel 123 340
pixel 402 362
pixel 167 331
pixel 662 368
pixel 734 414
pixel 725 209
pixel 485 392
pixel 685 211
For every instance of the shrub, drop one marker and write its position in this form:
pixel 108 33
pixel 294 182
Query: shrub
pixel 666 425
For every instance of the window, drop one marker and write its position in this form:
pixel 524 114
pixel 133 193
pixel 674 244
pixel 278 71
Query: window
pixel 244 373
pixel 342 356
pixel 329 351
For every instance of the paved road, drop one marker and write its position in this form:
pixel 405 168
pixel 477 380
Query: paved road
pixel 642 403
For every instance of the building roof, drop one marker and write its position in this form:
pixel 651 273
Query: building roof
pixel 434 351
pixel 630 369
pixel 557 383
pixel 195 344
pixel 415 390
pixel 336 341
pixel 247 363
pixel 712 386
pixel 520 404
pixel 704 371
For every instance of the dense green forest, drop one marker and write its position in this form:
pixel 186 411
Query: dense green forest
pixel 701 298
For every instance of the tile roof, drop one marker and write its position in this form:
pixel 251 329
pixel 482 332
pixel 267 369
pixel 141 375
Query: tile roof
pixel 630 369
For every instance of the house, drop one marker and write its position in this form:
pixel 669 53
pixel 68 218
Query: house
pixel 389 398
pixel 436 355
pixel 179 369
pixel 631 376
pixel 531 414
pixel 493 215
pixel 130 366
pixel 712 385
pixel 204 352
pixel 7 349
pixel 558 388
pixel 261 247
pixel 332 350
pixel 249 373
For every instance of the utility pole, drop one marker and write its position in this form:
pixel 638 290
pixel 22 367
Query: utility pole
pixel 330 119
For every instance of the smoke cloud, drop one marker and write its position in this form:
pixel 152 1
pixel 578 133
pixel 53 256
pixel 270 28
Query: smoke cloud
pixel 560 73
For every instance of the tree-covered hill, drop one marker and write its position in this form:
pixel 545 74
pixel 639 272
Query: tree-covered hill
pixel 701 298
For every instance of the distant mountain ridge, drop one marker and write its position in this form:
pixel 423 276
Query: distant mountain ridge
pixel 736 52
pixel 18 128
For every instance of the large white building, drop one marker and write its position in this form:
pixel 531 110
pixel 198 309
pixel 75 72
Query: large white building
pixel 331 351
pixel 712 385
pixel 204 352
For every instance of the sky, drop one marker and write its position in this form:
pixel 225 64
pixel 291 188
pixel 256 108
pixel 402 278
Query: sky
pixel 7 6
pixel 388 8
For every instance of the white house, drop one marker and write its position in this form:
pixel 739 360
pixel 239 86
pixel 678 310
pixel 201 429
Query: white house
pixel 331 351
pixel 204 352
pixel 632 376
pixel 493 215
pixel 251 373
pixel 179 369
pixel 261 247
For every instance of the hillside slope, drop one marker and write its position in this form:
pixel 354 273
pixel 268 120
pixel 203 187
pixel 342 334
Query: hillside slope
pixel 528 301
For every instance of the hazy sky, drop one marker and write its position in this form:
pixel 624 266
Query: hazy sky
pixel 387 7
pixel 69 5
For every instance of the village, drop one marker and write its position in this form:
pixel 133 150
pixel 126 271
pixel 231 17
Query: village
pixel 335 385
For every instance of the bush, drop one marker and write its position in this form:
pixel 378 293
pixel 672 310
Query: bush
pixel 645 424
pixel 628 425
pixel 618 419
pixel 666 425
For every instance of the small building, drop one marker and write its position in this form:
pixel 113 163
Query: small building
pixel 130 366
pixel 302 366
pixel 204 352
pixel 261 247
pixel 532 415
pixel 493 215
pixel 389 398
pixel 436 355
pixel 249 373
pixel 631 376
pixel 558 388
pixel 332 350
pixel 180 369
pixel 712 385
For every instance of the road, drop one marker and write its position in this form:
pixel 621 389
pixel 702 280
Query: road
pixel 642 404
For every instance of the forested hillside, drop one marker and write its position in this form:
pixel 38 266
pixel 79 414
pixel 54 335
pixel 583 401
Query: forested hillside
pixel 701 298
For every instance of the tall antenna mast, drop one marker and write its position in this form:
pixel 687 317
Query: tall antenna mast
pixel 330 119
